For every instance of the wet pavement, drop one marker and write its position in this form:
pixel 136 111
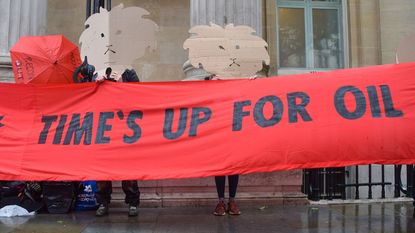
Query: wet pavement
pixel 374 217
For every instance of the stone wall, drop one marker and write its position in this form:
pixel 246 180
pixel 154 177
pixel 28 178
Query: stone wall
pixel 397 20
pixel 376 28
pixel 259 189
pixel 364 32
pixel 270 34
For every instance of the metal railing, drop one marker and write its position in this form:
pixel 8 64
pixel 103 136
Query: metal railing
pixel 399 187
pixel 370 184
pixel 330 183
pixel 324 183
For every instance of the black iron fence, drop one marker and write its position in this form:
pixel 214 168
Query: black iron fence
pixel 330 183
pixel 399 187
pixel 324 183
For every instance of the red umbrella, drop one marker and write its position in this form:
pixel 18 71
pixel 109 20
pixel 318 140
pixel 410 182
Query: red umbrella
pixel 44 59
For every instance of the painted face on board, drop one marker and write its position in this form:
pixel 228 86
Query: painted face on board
pixel 233 51
pixel 117 37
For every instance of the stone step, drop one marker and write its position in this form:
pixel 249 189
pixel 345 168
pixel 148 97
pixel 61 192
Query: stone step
pixel 196 199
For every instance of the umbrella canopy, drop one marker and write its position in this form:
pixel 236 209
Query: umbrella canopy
pixel 44 59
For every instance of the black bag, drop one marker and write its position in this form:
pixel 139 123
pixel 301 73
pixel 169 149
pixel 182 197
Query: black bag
pixel 24 194
pixel 11 188
pixel 59 197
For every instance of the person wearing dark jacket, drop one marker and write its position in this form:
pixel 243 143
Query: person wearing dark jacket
pixel 130 187
pixel 86 73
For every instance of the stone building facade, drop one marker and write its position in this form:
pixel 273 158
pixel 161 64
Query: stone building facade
pixel 303 36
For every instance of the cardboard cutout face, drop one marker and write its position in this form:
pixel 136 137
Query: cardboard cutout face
pixel 233 51
pixel 118 37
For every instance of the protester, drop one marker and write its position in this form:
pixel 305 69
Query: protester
pixel 232 208
pixel 104 188
pixel 130 187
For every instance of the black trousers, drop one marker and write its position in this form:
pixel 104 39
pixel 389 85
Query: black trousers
pixel 130 188
pixel 220 185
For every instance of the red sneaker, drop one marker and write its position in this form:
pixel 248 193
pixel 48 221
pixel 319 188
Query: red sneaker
pixel 233 208
pixel 220 209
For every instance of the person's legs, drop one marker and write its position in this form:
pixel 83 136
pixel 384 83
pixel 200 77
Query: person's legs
pixel 220 188
pixel 104 190
pixel 233 185
pixel 103 196
pixel 132 196
pixel 132 193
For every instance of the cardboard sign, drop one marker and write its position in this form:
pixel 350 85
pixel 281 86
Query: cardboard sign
pixel 118 37
pixel 122 131
pixel 233 51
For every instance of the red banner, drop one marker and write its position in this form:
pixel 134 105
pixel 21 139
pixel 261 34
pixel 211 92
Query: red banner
pixel 115 131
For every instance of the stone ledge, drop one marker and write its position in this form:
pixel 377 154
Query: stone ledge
pixel 5 61
pixel 210 199
pixel 259 189
pixel 6 72
pixel 260 202
pixel 361 201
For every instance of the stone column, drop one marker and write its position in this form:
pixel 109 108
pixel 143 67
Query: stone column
pixel 364 31
pixel 18 18
pixel 396 22
pixel 222 12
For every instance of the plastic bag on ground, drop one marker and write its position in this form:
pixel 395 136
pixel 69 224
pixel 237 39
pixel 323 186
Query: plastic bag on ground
pixel 14 210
